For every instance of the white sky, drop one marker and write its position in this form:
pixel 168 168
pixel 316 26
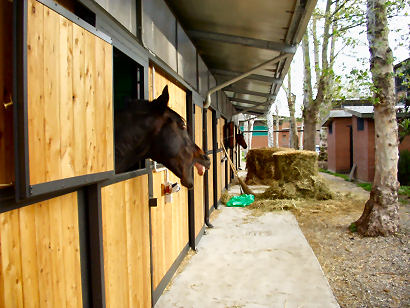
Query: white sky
pixel 346 60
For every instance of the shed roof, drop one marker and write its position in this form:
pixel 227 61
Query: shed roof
pixel 233 37
pixel 336 113
pixel 360 111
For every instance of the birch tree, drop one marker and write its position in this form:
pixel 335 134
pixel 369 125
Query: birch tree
pixel 380 215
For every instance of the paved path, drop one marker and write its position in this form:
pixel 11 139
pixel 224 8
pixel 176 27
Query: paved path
pixel 251 262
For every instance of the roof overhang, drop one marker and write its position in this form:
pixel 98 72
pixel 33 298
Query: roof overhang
pixel 336 113
pixel 233 37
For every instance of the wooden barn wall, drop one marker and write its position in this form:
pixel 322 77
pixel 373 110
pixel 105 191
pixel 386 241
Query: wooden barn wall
pixel 198 180
pixel 40 259
pixel 211 182
pixel 210 173
pixel 169 221
pixel 126 243
pixel 70 127
pixel 6 85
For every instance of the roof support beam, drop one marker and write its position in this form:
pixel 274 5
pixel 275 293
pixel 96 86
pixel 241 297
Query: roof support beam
pixel 245 41
pixel 246 101
pixel 262 78
pixel 245 91
pixel 237 78
pixel 250 109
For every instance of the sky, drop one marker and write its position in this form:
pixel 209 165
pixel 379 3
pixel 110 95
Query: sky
pixel 346 60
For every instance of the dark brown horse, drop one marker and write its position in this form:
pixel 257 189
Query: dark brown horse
pixel 153 130
pixel 240 139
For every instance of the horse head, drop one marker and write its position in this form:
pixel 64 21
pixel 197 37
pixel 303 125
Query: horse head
pixel 156 131
pixel 240 139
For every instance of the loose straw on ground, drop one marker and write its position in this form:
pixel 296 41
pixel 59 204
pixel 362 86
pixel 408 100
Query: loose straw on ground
pixel 245 187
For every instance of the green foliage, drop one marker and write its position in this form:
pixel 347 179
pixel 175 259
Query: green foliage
pixel 404 168
pixel 365 186
pixel 343 176
pixel 404 128
pixel 404 190
pixel 353 227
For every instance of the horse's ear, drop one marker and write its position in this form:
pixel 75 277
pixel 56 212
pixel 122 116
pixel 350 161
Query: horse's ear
pixel 162 100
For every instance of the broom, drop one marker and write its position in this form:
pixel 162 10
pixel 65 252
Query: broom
pixel 245 187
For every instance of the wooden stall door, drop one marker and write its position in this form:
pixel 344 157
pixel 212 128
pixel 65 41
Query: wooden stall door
pixel 210 147
pixel 69 86
pixel 198 180
pixel 40 258
pixel 169 221
pixel 126 243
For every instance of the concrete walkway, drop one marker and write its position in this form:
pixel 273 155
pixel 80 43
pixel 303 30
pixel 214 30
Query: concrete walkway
pixel 251 262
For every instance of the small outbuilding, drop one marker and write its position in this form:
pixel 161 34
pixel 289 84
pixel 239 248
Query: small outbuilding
pixel 351 141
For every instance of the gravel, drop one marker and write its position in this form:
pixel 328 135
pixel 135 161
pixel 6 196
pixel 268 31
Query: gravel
pixel 362 271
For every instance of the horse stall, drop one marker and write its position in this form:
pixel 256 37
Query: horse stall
pixel 76 230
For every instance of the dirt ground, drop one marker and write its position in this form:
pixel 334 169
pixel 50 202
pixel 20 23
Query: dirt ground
pixel 362 272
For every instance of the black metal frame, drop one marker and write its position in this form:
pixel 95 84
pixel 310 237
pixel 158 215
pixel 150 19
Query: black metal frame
pixel 214 157
pixel 88 187
pixel 190 111
pixel 167 277
pixel 23 189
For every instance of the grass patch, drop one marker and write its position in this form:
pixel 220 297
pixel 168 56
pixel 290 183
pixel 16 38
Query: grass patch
pixel 343 176
pixel 404 190
pixel 365 186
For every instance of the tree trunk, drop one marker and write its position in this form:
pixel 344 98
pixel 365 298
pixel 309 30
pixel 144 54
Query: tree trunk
pixel 381 212
pixel 293 133
pixel 250 134
pixel 269 120
pixel 309 116
pixel 276 137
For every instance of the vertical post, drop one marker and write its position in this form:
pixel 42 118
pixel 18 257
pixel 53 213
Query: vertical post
pixel 95 246
pixel 190 111
pixel 20 115
pixel 206 182
pixel 215 162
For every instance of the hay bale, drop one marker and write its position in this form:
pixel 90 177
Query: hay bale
pixel 260 165
pixel 295 165
pixel 291 174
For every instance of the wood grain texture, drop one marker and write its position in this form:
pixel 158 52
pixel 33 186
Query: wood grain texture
pixel 169 221
pixel 40 255
pixel 69 98
pixel 126 243
pixel 198 180
pixel 211 182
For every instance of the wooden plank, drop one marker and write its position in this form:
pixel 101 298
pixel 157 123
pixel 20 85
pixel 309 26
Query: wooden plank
pixel 90 80
pixel 66 99
pixel 35 92
pixel 42 236
pixel 219 174
pixel 136 196
pixel 56 256
pixel 209 128
pixel 80 141
pixel 108 107
pixel 71 248
pixel 99 105
pixel 11 259
pixel 29 257
pixel 211 182
pixel 115 245
pixel 51 95
pixel 198 180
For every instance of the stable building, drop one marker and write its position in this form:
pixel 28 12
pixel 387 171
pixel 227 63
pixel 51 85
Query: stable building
pixel 73 230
